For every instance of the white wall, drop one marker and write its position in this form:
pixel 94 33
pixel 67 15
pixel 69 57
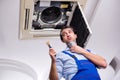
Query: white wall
pixel 105 27
pixel 104 40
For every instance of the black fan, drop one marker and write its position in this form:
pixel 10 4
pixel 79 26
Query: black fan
pixel 51 15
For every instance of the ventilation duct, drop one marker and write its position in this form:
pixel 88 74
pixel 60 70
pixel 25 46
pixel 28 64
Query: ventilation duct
pixel 45 18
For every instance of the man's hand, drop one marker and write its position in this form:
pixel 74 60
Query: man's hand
pixel 52 54
pixel 77 49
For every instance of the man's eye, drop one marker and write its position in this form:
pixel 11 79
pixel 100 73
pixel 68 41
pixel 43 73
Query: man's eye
pixel 64 34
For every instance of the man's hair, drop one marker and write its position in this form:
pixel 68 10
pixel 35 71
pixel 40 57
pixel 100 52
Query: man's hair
pixel 64 27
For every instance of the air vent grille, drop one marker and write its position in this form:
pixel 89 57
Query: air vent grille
pixel 27 13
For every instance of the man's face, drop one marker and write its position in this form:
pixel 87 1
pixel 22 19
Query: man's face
pixel 68 35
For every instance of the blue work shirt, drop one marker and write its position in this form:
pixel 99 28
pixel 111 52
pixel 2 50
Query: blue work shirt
pixel 66 65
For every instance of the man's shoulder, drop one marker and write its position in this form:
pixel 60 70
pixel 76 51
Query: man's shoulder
pixel 61 54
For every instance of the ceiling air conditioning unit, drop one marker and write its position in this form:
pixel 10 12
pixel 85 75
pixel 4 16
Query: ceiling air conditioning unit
pixel 45 18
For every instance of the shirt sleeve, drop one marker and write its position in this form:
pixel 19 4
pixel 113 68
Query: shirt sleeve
pixel 59 65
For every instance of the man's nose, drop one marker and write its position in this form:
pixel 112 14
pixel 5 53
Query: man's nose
pixel 68 35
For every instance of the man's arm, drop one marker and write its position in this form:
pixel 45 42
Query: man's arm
pixel 96 59
pixel 53 71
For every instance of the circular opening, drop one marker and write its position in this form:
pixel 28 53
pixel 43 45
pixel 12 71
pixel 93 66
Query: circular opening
pixel 51 14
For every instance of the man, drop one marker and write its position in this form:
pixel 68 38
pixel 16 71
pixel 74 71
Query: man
pixel 74 63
